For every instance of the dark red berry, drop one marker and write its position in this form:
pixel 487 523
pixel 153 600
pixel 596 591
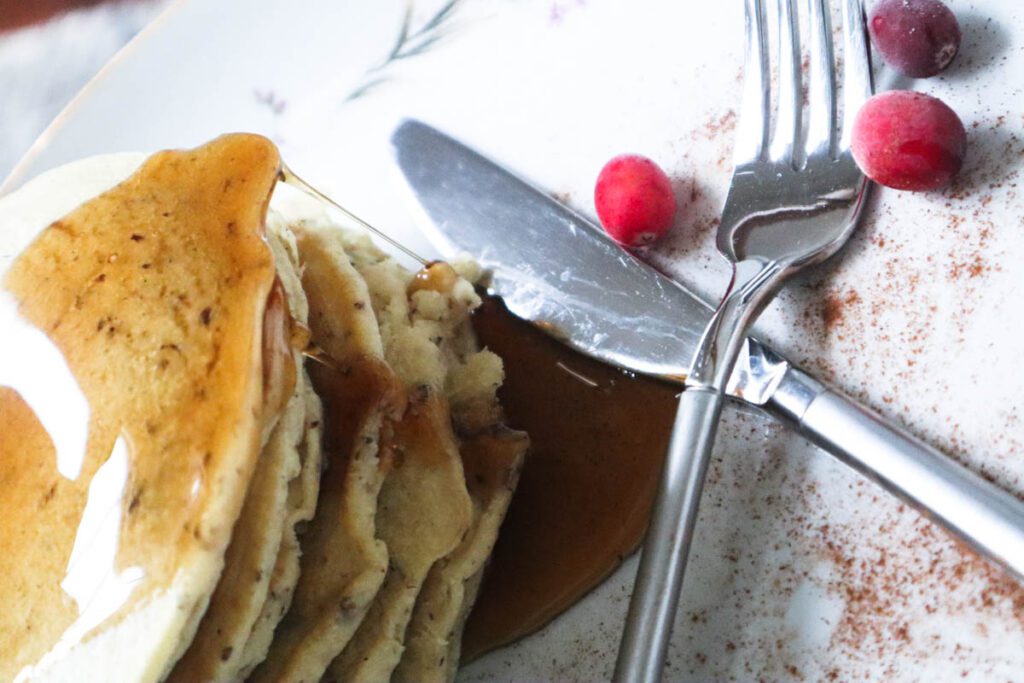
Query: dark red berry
pixel 908 141
pixel 919 38
pixel 634 200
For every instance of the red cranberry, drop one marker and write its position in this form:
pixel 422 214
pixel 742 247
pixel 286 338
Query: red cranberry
pixel 917 37
pixel 908 141
pixel 634 200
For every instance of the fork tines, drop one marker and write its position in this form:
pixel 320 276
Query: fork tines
pixel 789 139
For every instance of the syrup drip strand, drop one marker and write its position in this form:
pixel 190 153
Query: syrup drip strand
pixel 288 177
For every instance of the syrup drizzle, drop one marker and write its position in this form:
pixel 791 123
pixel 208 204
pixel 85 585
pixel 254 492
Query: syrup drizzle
pixel 99 555
pixel 92 579
pixel 33 366
pixel 288 177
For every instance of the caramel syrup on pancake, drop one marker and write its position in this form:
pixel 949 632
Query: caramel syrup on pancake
pixel 148 294
pixel 349 389
pixel 598 439
pixel 436 276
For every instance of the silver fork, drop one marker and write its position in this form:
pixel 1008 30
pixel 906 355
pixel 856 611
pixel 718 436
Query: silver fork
pixel 793 201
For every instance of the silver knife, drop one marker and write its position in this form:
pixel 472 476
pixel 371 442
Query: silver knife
pixel 556 269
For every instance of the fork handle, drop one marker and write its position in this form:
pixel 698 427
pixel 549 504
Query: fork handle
pixel 656 592
pixel 977 511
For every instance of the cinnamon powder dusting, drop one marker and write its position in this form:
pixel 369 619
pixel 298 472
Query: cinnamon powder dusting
pixel 834 307
pixel 897 322
pixel 716 125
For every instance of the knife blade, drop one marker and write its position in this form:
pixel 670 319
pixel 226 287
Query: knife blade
pixel 582 287
pixel 604 302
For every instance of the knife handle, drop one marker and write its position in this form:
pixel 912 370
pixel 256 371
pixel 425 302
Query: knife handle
pixel 975 510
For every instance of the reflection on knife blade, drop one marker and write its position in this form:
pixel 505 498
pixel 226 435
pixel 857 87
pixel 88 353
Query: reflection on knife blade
pixel 603 301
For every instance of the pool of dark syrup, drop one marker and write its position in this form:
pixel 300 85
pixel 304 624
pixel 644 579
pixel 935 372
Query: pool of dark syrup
pixel 598 439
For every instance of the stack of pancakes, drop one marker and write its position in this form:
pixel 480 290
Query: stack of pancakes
pixel 236 443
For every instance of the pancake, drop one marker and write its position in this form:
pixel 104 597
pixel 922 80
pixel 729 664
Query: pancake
pixel 302 495
pixel 154 306
pixel 492 460
pixel 492 456
pixel 216 652
pixel 301 506
pixel 343 563
pixel 424 508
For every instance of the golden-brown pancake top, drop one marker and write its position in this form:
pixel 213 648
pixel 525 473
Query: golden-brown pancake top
pixel 154 293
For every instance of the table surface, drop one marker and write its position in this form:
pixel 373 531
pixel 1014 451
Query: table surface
pixel 49 49
pixel 18 13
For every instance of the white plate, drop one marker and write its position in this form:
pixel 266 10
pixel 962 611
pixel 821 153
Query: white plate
pixel 802 570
